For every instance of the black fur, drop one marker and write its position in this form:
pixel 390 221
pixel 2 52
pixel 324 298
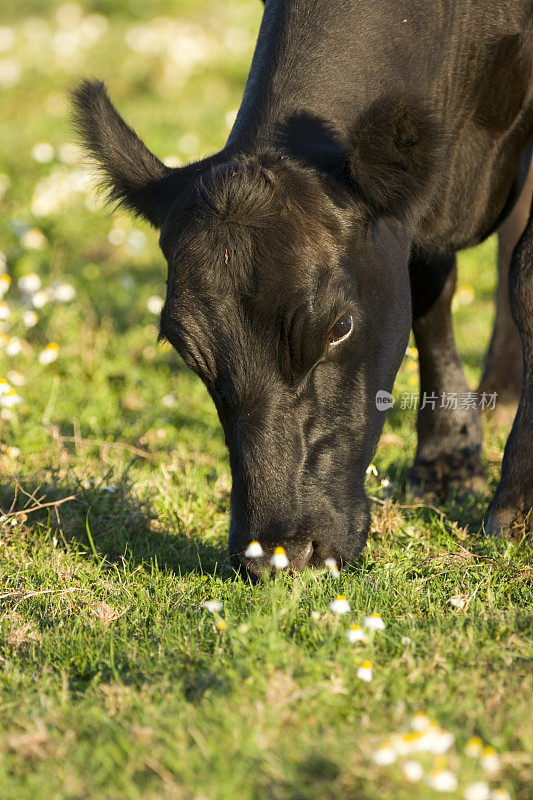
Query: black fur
pixel 371 136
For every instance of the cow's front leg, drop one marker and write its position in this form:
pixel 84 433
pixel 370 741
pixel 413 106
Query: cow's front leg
pixel 513 500
pixel 449 422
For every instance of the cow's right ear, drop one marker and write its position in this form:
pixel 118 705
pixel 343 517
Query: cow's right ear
pixel 395 156
pixel 131 174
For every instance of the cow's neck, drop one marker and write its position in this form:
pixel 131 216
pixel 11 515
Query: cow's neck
pixel 314 71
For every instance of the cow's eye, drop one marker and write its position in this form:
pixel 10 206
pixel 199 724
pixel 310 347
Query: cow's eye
pixel 341 330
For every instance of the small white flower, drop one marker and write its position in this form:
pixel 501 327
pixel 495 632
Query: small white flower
pixel 442 780
pixel 214 606
pixel 490 760
pixel 155 304
pixel 406 641
pixel 49 354
pixel 42 152
pixel 13 452
pixel 356 634
pixel 16 378
pixel 413 771
pixel 420 722
pixel 39 299
pixel 64 292
pixel 500 794
pixel 169 401
pixel 7 38
pixel 386 483
pixel 116 237
pixel 254 550
pixel 279 559
pixel 30 319
pixel 69 153
pixel 384 756
pixel 5 311
pixel 477 791
pixel 364 673
pixel 34 239
pixel 374 622
pixel 474 747
pixel 457 601
pixel 331 564
pixel 10 399
pixel 29 283
pixel 5 283
pixel 371 470
pixel 10 72
pixel 4 387
pixel 340 605
pixel 13 347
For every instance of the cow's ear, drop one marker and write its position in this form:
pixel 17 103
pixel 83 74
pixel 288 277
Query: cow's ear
pixel 394 155
pixel 131 174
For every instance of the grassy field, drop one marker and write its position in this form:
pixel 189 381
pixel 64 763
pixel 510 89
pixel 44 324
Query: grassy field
pixel 115 681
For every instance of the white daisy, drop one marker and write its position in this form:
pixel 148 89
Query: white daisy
pixel 340 605
pixel 374 622
pixel 254 550
pixel 279 559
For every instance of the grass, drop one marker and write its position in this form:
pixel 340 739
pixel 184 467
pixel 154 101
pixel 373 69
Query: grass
pixel 115 682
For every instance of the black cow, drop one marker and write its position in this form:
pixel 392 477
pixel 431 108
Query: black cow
pixel 374 140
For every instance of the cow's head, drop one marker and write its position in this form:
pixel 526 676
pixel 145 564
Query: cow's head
pixel 288 294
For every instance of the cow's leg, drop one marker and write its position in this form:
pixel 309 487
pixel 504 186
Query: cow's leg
pixel 503 366
pixel 513 500
pixel 449 428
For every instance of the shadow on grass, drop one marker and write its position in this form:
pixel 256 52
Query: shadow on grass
pixel 109 522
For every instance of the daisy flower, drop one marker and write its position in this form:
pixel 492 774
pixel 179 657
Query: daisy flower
pixel 364 673
pixel 384 756
pixel 474 747
pixel 214 606
pixel 16 378
pixel 477 791
pixel 457 602
pixel 442 780
pixel 412 771
pixel 331 564
pixel 155 304
pixel 254 550
pixel 64 292
pixel 500 794
pixel 30 283
pixel 221 625
pixel 49 354
pixel 340 605
pixel 490 761
pixel 30 319
pixel 356 634
pixel 374 622
pixel 5 283
pixel 420 722
pixel 371 470
pixel 279 559
pixel 5 311
pixel 10 399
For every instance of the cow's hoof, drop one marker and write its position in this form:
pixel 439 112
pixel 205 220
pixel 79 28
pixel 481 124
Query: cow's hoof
pixel 445 475
pixel 509 523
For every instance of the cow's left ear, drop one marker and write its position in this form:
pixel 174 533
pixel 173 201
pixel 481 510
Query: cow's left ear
pixel 394 155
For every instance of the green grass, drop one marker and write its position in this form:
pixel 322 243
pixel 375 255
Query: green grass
pixel 115 682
